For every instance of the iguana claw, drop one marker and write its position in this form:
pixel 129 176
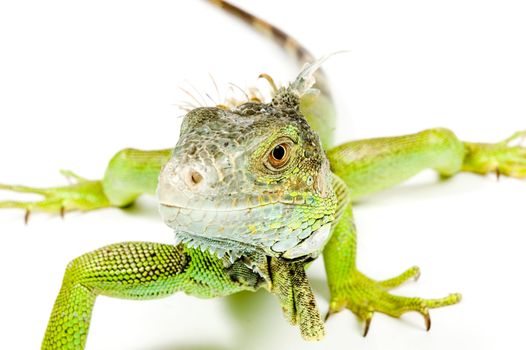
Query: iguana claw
pixel 26 216
pixel 367 325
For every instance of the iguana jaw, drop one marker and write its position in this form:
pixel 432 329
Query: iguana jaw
pixel 242 231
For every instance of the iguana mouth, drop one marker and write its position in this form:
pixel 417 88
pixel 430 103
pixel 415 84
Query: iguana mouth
pixel 220 209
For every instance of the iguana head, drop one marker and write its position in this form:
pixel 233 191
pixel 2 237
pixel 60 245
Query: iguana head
pixel 254 178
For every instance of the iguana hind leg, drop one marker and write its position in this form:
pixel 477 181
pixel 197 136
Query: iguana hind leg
pixel 129 174
pixel 371 165
pixel 507 157
pixel 81 195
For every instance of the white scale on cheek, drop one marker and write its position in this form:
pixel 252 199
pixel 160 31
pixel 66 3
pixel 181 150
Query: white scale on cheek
pixel 284 245
pixel 311 244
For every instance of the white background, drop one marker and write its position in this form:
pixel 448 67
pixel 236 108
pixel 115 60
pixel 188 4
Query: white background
pixel 81 80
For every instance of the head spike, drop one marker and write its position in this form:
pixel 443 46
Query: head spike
pixel 306 78
pixel 289 97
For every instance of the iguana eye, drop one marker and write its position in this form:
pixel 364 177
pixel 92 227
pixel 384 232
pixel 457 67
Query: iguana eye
pixel 279 155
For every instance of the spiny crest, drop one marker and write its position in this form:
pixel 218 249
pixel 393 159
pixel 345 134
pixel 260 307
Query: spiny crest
pixel 233 97
pixel 285 97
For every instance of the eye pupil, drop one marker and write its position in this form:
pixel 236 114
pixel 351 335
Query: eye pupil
pixel 278 152
pixel 279 156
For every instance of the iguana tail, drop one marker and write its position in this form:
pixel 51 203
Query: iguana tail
pixel 290 44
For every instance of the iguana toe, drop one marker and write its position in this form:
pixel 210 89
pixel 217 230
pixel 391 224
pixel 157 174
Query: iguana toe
pixel 365 296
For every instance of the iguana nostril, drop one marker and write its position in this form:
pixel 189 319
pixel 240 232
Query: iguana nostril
pixel 195 177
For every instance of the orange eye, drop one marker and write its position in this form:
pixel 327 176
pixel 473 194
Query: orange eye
pixel 279 155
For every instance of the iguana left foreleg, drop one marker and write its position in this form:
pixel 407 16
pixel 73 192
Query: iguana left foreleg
pixel 368 166
pixel 362 295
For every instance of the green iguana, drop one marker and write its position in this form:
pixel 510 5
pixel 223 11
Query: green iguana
pixel 255 191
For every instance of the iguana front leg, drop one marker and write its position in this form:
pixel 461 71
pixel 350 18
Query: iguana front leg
pixel 129 174
pixel 133 270
pixel 362 295
pixel 141 270
pixel 368 166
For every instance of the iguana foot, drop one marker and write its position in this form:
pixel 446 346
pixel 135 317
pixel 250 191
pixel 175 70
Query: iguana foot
pixel 365 296
pixel 81 195
pixel 507 157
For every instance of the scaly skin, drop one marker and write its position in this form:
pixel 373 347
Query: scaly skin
pixel 221 166
pixel 365 166
pixel 132 270
pixel 141 270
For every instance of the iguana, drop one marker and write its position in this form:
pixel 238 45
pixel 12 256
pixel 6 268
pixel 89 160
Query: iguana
pixel 255 192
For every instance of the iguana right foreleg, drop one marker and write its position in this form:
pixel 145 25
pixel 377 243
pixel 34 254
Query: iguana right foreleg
pixel 130 173
pixel 131 270
pixel 143 270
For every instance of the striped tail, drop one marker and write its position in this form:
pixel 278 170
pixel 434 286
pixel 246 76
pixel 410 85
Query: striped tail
pixel 291 45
